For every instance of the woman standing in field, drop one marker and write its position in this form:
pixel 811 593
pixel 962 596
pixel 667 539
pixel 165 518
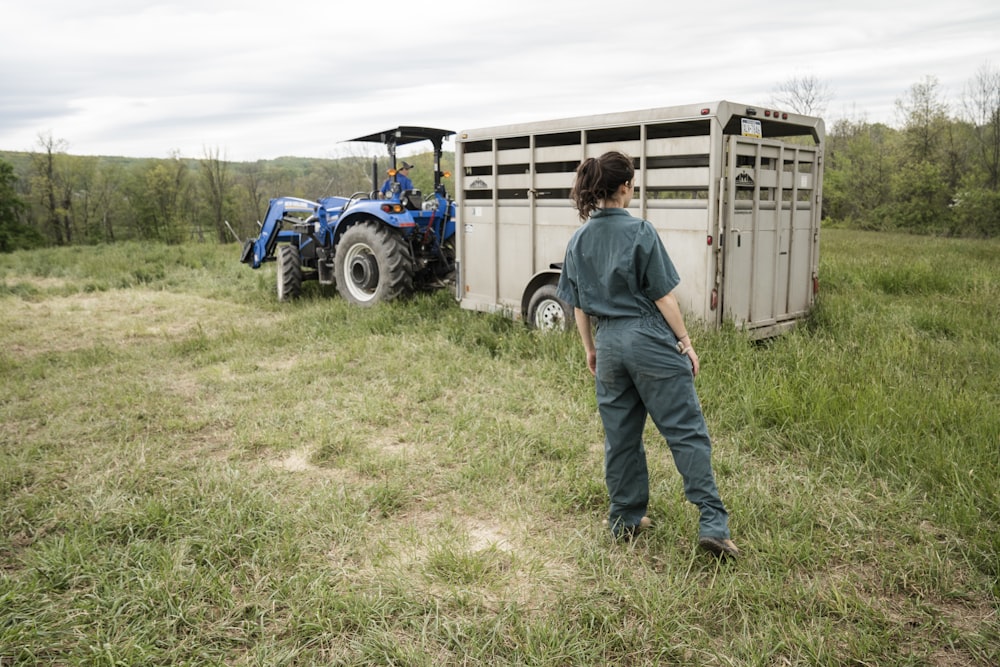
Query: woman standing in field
pixel 618 275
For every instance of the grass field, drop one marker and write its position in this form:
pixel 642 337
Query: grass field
pixel 194 474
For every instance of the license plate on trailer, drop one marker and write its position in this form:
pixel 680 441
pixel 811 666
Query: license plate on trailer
pixel 751 128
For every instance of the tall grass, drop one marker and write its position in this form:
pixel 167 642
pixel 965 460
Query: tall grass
pixel 192 473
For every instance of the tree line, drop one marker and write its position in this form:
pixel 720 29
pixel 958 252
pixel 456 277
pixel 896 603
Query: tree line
pixel 937 172
pixel 49 197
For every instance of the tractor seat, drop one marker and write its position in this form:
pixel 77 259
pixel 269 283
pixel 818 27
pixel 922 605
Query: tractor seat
pixel 412 199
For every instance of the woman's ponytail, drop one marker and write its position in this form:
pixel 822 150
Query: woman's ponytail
pixel 597 180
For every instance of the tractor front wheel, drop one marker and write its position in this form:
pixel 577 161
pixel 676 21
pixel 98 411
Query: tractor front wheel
pixel 289 273
pixel 373 264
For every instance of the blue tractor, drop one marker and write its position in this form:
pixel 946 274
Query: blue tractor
pixel 373 246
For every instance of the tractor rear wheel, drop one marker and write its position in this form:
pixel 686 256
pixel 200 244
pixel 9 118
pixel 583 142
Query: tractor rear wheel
pixel 289 273
pixel 373 263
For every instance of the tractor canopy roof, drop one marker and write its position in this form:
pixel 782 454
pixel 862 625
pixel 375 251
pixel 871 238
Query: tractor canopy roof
pixel 402 135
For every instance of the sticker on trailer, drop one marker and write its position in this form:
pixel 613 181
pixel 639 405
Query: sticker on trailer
pixel 751 128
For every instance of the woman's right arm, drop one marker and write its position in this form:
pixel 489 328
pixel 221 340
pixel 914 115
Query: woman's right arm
pixel 671 311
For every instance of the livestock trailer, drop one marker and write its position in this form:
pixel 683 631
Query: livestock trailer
pixel 734 191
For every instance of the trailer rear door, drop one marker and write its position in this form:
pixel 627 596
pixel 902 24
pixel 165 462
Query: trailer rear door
pixel 770 232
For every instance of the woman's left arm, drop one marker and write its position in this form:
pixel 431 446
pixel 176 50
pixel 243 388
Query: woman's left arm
pixel 587 338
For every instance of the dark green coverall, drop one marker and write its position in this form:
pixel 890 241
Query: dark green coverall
pixel 615 269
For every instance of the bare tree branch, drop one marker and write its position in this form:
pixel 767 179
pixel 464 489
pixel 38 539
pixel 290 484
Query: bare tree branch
pixel 981 109
pixel 805 94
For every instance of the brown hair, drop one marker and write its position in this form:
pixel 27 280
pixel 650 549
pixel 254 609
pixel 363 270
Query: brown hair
pixel 597 179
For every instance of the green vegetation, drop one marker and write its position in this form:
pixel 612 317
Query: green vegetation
pixel 192 473
pixel 939 173
pixel 14 233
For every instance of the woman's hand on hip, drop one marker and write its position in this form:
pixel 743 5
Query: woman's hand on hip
pixel 693 356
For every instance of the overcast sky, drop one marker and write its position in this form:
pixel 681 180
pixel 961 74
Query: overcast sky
pixel 256 80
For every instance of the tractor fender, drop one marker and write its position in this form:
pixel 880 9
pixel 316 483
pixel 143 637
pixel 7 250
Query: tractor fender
pixel 400 222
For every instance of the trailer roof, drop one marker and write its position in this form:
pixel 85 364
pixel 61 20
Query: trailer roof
pixel 791 124
pixel 405 134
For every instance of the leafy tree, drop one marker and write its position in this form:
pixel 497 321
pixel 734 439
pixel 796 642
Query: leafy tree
pixel 14 233
pixel 860 160
pixel 976 212
pixel 956 147
pixel 111 202
pixel 923 181
pixel 95 198
pixel 920 197
pixel 924 116
pixel 252 200
pixel 217 184
pixel 50 187
pixel 976 203
pixel 161 200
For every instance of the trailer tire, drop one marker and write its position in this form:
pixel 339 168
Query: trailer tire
pixel 373 264
pixel 548 312
pixel 289 273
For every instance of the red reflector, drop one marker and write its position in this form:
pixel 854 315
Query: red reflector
pixel 715 298
pixel 705 112
pixel 784 116
pixel 767 113
pixel 709 239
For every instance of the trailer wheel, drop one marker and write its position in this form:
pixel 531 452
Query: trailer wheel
pixel 289 273
pixel 373 264
pixel 548 312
